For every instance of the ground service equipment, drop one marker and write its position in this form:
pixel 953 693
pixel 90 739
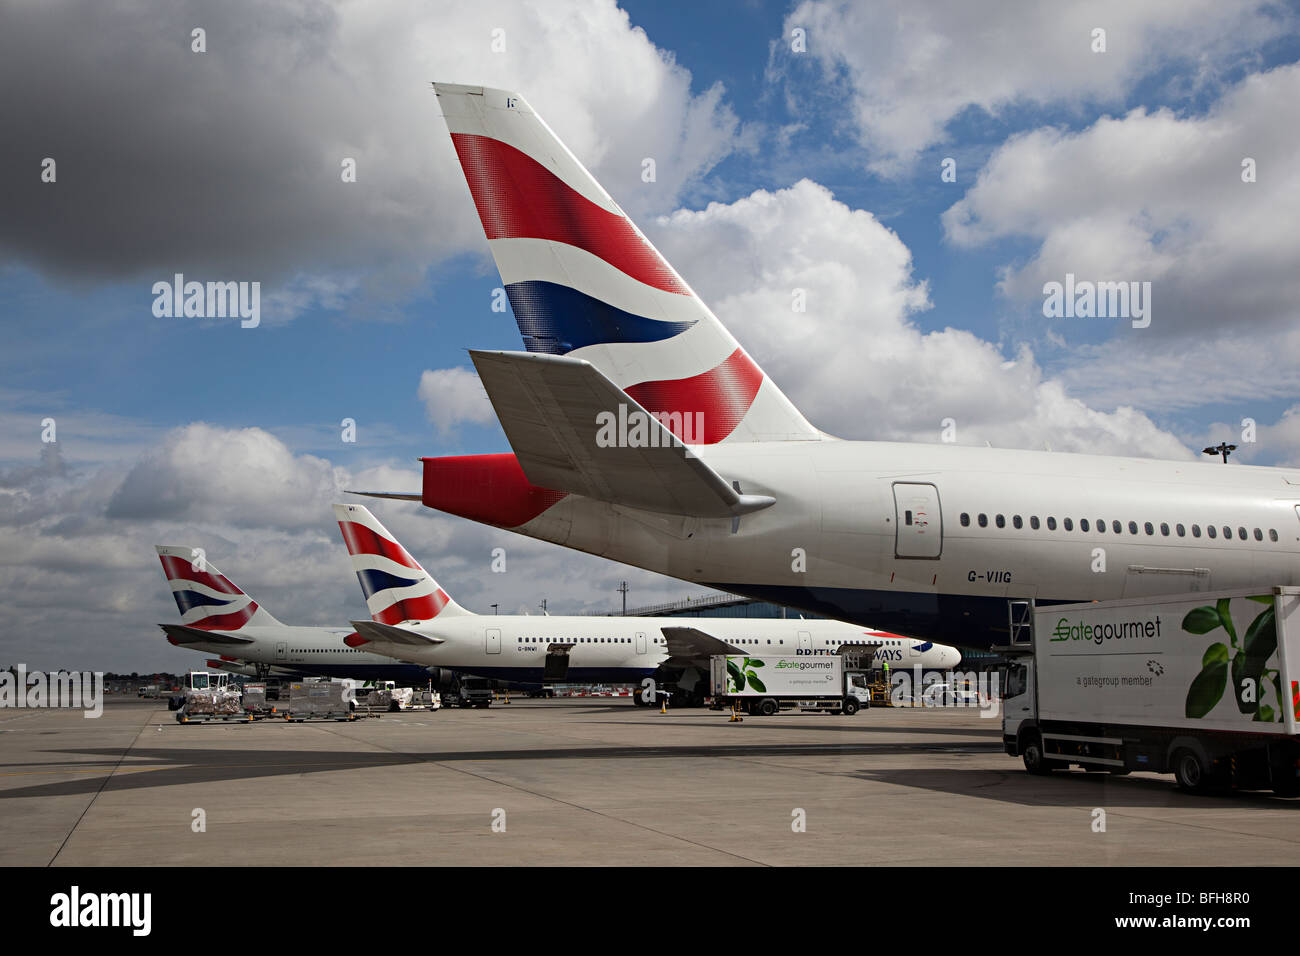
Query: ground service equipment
pixel 1205 686
pixel 765 683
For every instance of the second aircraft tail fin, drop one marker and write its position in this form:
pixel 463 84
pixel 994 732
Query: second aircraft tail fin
pixel 397 588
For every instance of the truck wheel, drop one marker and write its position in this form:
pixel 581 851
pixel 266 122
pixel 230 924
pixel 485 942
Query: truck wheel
pixel 1033 756
pixel 850 705
pixel 768 707
pixel 1191 772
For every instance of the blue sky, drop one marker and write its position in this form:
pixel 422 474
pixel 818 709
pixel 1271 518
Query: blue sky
pixel 204 163
pixel 81 344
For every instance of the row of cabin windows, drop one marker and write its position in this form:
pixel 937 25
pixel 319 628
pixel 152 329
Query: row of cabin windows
pixel 1116 526
pixel 584 640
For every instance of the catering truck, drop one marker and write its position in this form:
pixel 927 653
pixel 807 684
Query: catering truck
pixel 766 684
pixel 1205 686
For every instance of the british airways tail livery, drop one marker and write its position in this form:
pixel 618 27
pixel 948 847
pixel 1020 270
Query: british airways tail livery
pixel 206 598
pixel 396 587
pixel 583 281
pixel 219 618
pixel 643 432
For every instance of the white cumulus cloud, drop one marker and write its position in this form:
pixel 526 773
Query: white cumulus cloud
pixel 1160 198
pixel 81 585
pixel 855 362
pixel 908 69
pixel 452 397
pixel 234 157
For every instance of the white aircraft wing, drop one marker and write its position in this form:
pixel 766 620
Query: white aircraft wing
pixel 549 407
pixel 690 643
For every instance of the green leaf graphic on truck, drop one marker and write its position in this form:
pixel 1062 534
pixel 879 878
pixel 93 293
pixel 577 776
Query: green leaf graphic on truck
pixel 740 674
pixel 1243 660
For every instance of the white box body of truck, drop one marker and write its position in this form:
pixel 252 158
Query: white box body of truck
pixel 1203 685
pixel 765 683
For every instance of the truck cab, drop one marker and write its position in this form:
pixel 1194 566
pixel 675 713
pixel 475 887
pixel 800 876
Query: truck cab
pixel 474 692
pixel 1020 734
pixel 1018 704
pixel 858 685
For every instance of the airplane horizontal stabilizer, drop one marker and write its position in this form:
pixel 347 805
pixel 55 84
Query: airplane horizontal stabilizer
pixel 388 634
pixel 574 430
pixel 182 634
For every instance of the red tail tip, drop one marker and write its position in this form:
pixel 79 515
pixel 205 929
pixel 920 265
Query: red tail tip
pixel 355 640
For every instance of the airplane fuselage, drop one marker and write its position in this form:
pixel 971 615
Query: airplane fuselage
pixel 985 526
pixel 311 651
pixel 515 648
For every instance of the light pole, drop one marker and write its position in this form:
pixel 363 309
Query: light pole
pixel 1222 448
pixel 623 590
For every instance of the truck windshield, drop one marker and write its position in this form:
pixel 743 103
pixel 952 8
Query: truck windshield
pixel 1016 680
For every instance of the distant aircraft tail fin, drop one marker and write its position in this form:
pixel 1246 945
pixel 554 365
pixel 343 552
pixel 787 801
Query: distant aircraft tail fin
pixel 583 281
pixel 206 598
pixel 397 588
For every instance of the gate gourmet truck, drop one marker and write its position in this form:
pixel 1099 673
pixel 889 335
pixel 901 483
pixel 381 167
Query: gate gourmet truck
pixel 1204 686
pixel 765 684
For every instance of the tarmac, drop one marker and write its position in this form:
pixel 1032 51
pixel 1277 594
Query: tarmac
pixel 590 782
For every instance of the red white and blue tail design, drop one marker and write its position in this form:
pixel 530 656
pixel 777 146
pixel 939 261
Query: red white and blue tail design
pixel 397 589
pixel 207 599
pixel 583 281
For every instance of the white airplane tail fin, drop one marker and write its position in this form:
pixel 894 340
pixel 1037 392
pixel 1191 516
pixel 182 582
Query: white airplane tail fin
pixel 584 282
pixel 397 589
pixel 206 598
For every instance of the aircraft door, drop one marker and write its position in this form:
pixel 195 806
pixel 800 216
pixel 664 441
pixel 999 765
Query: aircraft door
pixel 281 650
pixel 492 640
pixel 557 661
pixel 640 642
pixel 805 641
pixel 918 531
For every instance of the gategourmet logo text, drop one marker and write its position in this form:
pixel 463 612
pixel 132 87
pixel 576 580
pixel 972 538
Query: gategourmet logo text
pixel 804 665
pixel 1097 633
